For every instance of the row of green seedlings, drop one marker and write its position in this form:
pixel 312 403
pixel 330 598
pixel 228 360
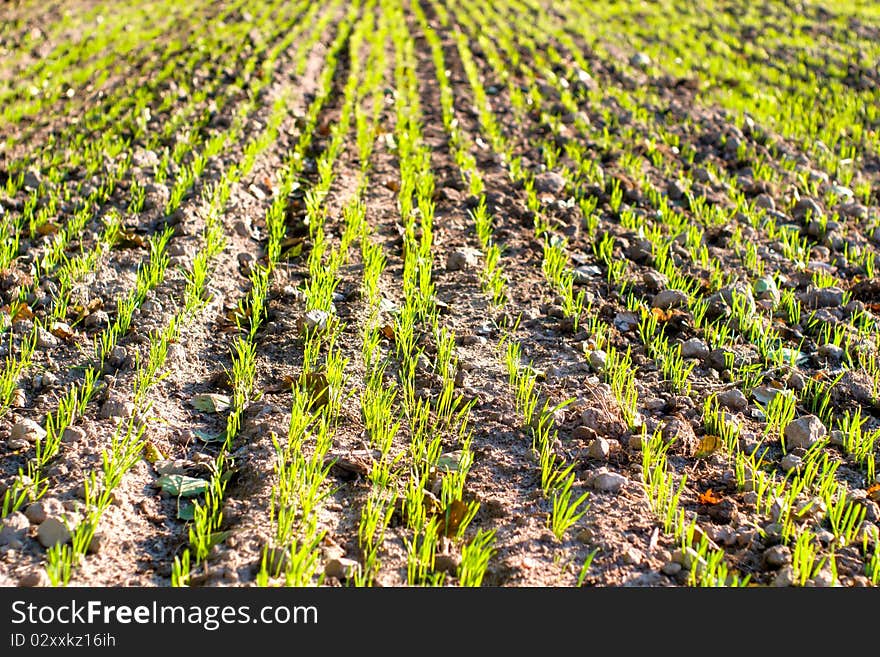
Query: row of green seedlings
pixel 18 29
pixel 492 279
pixel 555 261
pixel 205 531
pixel 127 443
pixel 792 244
pixel 809 493
pixel 108 123
pixel 73 403
pixel 65 236
pixel 446 515
pixel 673 366
pixel 32 485
pixel 622 380
pixel 843 129
pixel 77 69
pixel 318 391
pixel 557 478
pixel 106 132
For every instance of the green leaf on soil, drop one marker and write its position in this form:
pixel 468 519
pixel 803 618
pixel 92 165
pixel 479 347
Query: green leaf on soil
pixel 211 403
pixel 181 485
pixel 186 510
pixel 209 437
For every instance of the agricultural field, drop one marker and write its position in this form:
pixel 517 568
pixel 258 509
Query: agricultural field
pixel 439 293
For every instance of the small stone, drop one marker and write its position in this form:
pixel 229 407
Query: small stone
pixel 671 568
pixel 636 442
pixel 461 259
pixel 640 60
pixel 257 192
pixel 669 299
pixel 97 320
pixel 16 444
pixel 13 528
pixel 598 360
pixel 632 556
pixel 824 579
pixel 785 577
pixel 34 578
pixel 46 340
pixel 790 462
pixel 777 557
pixel 796 381
pixel 654 404
pixel 38 511
pixel 27 430
pixel 113 408
pixel 241 228
pixel 694 348
pixel 52 531
pixel 118 355
pixel 447 563
pixel 313 320
pixel 73 435
pixel 733 399
pixel 549 182
pixel 804 432
pixel 721 359
pixel 686 557
pixel 765 201
pixel 807 207
pixel 822 297
pixel 599 449
pixel 703 175
pixel 831 353
pixel 99 539
pixel 586 536
pixel 342 568
pixel 609 482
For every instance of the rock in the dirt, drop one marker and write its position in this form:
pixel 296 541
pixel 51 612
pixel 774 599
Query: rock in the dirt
pixel 447 563
pixel 73 435
pixel 38 511
pixel 27 430
pixel 99 540
pixel 598 360
pixel 632 556
pixel 686 557
pixel 671 568
pixel 53 531
pixel 342 568
pixel 807 207
pixel 461 259
pixel 313 320
pixel 13 528
pixel 777 556
pixel 113 408
pixel 669 299
pixel 765 201
pixel 46 340
pixel 822 297
pixel 640 60
pixel 733 399
pixel 790 462
pixel 608 482
pixel 549 182
pixel 694 348
pixel 804 432
pixel 785 577
pixel 34 578
pixel 97 320
pixel 831 353
pixel 600 448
